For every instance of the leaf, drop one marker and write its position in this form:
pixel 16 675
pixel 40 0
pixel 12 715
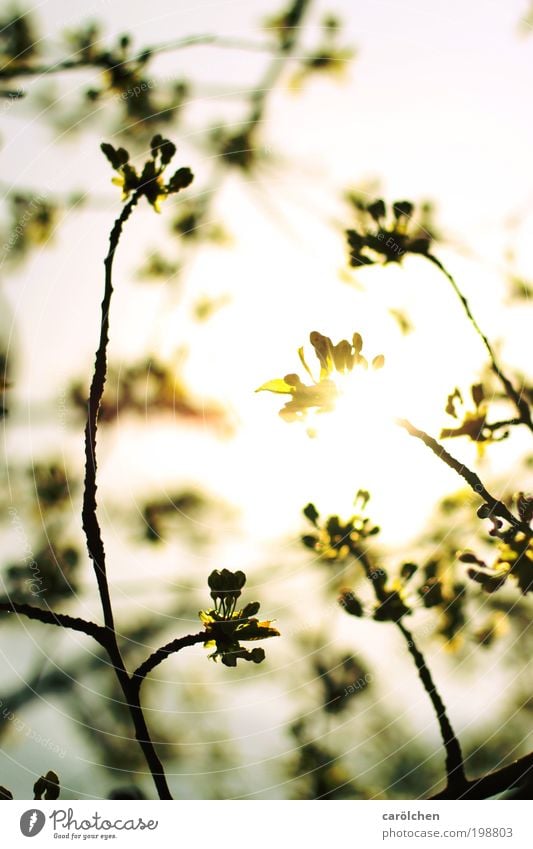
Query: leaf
pixel 309 541
pixel 489 583
pixel 181 179
pixel 378 362
pixel 377 210
pixel 450 405
pixel 47 786
pixel 279 385
pixel 478 394
pixel 115 157
pixel 357 342
pixel 350 603
pixel 304 363
pixel 408 570
pixel 311 513
pixel 324 351
pixel 403 208
pixel 250 609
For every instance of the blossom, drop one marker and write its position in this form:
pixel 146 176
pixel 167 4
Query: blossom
pixel 383 238
pixel 337 539
pixel 322 394
pixel 226 626
pixel 150 181
pixel 514 560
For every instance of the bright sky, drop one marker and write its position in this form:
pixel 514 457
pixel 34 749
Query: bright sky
pixel 437 105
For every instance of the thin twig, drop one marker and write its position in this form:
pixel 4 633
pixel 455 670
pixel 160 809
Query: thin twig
pixel 161 654
pixel 455 770
pixel 91 525
pixel 518 773
pixel 11 71
pixel 516 397
pixel 50 617
pixel 493 426
pixel 498 508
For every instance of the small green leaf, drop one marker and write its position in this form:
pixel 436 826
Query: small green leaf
pixel 350 603
pixel 279 385
pixel 408 570
pixel 478 394
pixel 403 207
pixel 377 210
pixel 250 609
pixel 181 179
pixel 311 513
pixel 304 363
pixel 47 786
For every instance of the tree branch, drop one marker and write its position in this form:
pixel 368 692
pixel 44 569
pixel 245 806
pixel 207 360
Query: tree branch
pixel 91 525
pixel 519 772
pixel 10 71
pixel 455 771
pixel 498 508
pixel 161 654
pixel 516 397
pixel 50 617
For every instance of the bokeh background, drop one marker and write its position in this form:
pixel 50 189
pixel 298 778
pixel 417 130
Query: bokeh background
pixel 213 298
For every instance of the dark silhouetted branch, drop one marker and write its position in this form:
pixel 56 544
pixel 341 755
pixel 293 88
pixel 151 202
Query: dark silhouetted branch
pixel 161 654
pixel 455 770
pixel 50 617
pixel 497 507
pixel 516 775
pixel 12 71
pixel 516 397
pixel 91 525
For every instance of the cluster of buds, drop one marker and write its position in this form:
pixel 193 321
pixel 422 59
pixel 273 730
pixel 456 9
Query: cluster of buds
pixel 150 181
pixel 226 626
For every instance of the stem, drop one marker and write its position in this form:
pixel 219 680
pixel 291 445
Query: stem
pixel 91 526
pixel 519 772
pixel 498 508
pixel 161 654
pixel 455 771
pixel 50 617
pixel 142 734
pixel 516 397
pixel 7 72
pixel 295 16
pixel 504 423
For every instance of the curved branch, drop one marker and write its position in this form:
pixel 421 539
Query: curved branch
pixel 518 773
pixel 161 654
pixel 50 617
pixel 498 508
pixel 516 397
pixel 91 525
pixel 455 771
